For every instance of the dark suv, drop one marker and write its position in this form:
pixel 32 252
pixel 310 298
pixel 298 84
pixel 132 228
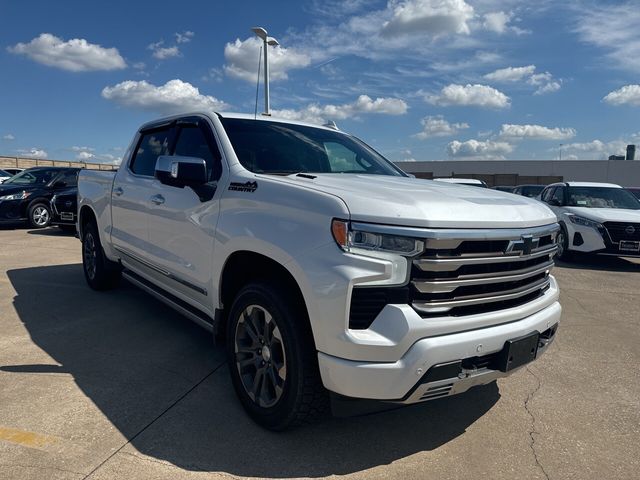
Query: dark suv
pixel 27 196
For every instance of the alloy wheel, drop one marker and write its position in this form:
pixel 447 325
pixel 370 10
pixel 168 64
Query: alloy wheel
pixel 90 254
pixel 40 216
pixel 260 356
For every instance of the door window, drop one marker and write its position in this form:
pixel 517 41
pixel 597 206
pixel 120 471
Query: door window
pixel 558 196
pixel 151 146
pixel 67 179
pixel 192 142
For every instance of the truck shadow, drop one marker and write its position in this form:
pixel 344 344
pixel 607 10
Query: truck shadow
pixel 136 359
pixel 601 263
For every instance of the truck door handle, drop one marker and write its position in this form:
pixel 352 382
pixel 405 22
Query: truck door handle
pixel 157 199
pixel 118 191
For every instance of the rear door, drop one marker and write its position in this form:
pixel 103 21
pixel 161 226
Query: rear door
pixel 182 222
pixel 133 187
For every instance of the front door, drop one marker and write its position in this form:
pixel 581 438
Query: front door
pixel 182 224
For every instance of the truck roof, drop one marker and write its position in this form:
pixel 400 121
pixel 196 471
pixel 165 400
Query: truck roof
pixel 243 116
pixel 592 184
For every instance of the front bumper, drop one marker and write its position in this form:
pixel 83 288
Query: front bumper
pixel 401 381
pixel 11 211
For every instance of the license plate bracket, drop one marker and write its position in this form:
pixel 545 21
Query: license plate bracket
pixel 629 246
pixel 518 351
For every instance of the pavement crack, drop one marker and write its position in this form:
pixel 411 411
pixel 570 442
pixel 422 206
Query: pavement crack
pixel 158 417
pixel 532 431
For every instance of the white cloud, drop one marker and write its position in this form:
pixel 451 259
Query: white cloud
pixel 627 95
pixel 76 55
pixel 544 82
pixel 479 150
pixel 536 132
pixel 613 28
pixel 184 37
pixel 438 127
pixel 82 149
pixel 470 95
pixel 597 149
pixel 496 22
pixel 550 87
pixel 163 53
pixel 511 74
pixel 241 59
pixel 34 153
pixel 175 96
pixel 432 17
pixel 9 137
pixel 319 114
pixel 84 156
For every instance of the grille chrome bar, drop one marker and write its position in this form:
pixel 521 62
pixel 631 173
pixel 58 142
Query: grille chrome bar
pixel 445 286
pixel 437 306
pixel 453 263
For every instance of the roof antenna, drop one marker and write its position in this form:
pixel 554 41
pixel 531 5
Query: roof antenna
pixel 255 112
pixel 331 124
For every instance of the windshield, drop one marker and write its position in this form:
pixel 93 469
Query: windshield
pixel 280 148
pixel 602 197
pixel 4 174
pixel 532 190
pixel 635 191
pixel 32 177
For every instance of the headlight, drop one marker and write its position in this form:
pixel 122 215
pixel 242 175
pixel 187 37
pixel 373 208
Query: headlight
pixel 585 222
pixel 359 241
pixel 16 196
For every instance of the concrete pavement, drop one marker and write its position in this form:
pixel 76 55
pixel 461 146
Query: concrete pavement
pixel 116 385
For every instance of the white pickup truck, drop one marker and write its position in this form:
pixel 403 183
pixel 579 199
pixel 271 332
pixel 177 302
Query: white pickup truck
pixel 329 273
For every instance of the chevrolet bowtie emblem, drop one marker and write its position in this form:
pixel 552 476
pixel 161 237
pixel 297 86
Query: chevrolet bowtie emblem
pixel 525 245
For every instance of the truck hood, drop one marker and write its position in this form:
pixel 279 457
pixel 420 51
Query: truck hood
pixel 425 203
pixel 601 215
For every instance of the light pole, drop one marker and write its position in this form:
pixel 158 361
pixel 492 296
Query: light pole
pixel 267 40
pixel 561 151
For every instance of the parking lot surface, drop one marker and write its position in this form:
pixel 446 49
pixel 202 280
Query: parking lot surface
pixel 116 385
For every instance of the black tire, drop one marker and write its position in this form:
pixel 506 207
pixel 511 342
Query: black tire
pixel 67 228
pixel 302 398
pixel 100 273
pixel 39 215
pixel 563 245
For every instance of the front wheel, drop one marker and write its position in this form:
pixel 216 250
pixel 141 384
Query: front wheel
pixel 272 359
pixel 39 215
pixel 563 246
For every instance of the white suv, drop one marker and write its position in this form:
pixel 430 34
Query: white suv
pixel 601 218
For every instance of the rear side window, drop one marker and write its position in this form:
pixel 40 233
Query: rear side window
pixel 192 142
pixel 70 179
pixel 151 146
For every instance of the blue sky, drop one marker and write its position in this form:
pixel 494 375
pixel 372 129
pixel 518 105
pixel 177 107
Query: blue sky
pixel 417 79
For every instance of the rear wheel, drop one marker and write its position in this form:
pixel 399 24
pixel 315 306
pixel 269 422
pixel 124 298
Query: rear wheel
pixel 100 273
pixel 39 215
pixel 272 359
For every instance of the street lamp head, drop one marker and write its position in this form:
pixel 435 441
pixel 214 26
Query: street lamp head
pixel 272 41
pixel 261 32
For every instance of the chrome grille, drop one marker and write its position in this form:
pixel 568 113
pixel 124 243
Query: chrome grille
pixel 623 231
pixel 464 271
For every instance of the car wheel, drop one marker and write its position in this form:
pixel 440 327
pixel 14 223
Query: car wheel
pixel 100 272
pixel 272 359
pixel 39 215
pixel 563 245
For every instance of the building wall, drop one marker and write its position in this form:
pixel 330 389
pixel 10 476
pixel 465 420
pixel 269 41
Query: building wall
pixel 625 173
pixel 19 162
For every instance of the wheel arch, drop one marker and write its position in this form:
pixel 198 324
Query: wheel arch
pixel 246 266
pixel 85 215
